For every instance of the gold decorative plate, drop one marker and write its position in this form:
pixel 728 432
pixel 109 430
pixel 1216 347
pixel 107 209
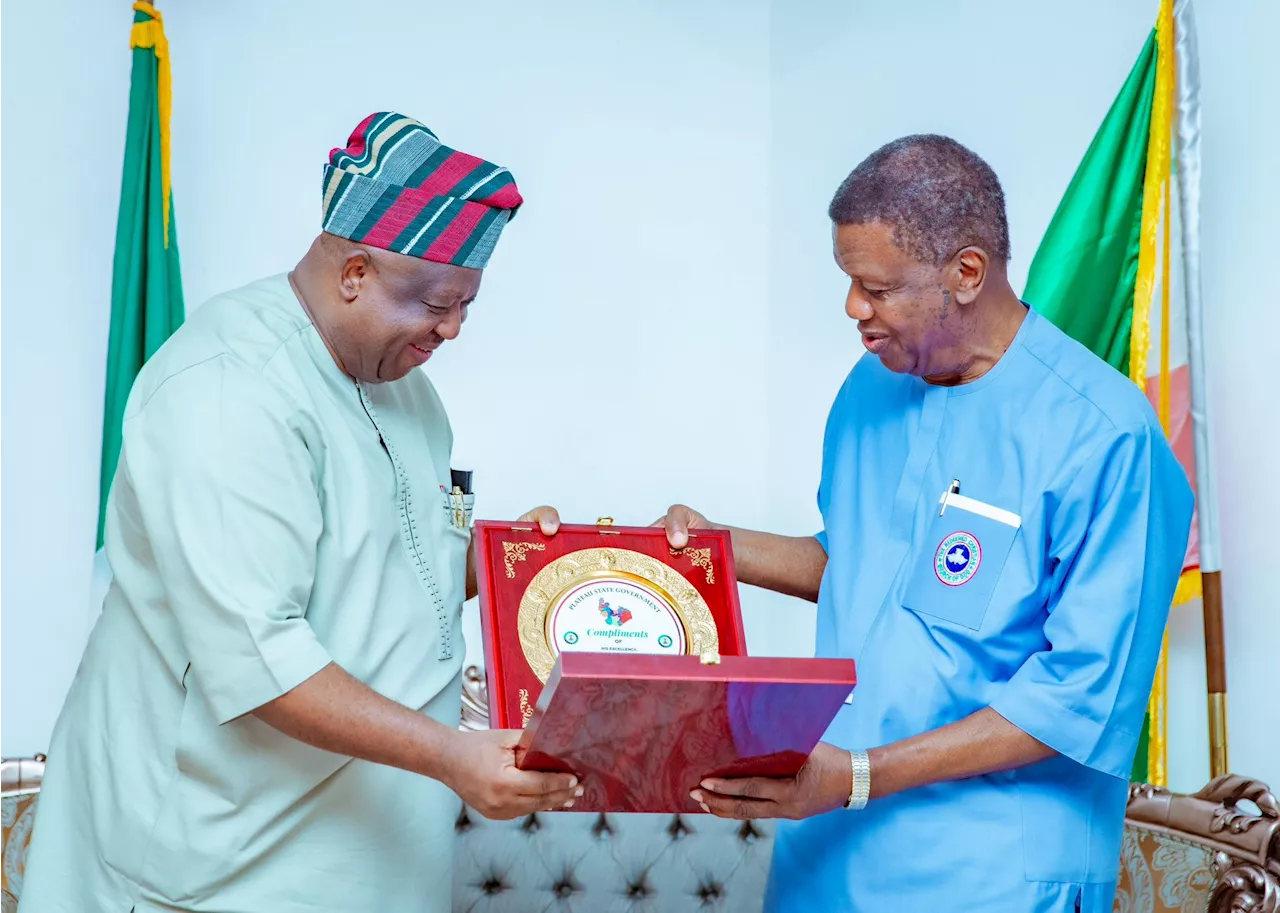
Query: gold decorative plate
pixel 611 600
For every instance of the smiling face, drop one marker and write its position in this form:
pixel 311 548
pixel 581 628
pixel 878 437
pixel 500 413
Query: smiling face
pixel 919 228
pixel 907 313
pixel 394 311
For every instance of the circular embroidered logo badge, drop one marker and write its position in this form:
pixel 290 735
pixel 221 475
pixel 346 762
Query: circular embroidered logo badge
pixel 957 559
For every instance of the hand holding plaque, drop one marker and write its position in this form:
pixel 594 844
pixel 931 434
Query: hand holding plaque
pixel 624 659
pixel 600 589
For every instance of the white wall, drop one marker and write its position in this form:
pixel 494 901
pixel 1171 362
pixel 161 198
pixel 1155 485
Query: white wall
pixel 64 69
pixel 1241 190
pixel 677 160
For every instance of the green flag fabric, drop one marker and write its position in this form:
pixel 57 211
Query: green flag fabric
pixel 146 284
pixel 1084 272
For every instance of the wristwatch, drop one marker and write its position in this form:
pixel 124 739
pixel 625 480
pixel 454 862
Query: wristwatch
pixel 860 790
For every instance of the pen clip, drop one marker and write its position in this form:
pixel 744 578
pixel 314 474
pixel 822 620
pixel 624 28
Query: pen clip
pixel 456 498
pixel 952 489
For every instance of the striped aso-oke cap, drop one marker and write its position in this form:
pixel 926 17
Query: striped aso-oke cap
pixel 397 187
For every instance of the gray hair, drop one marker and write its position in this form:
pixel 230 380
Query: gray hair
pixel 938 197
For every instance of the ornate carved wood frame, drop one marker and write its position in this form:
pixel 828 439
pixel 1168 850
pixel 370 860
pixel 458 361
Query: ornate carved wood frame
pixel 1238 820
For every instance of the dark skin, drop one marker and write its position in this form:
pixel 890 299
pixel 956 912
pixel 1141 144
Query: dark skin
pixel 949 325
pixel 381 315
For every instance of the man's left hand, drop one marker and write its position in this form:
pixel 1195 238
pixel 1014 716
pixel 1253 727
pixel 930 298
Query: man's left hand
pixel 547 518
pixel 823 784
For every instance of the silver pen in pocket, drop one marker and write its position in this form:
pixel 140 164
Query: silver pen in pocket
pixel 954 489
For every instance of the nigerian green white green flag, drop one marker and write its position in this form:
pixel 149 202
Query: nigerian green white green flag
pixel 146 285
pixel 1118 270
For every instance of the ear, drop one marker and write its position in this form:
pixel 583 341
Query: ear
pixel 357 270
pixel 967 273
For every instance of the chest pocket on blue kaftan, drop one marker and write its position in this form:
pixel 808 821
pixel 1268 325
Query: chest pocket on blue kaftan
pixel 959 564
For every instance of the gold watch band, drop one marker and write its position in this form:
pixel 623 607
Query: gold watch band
pixel 860 788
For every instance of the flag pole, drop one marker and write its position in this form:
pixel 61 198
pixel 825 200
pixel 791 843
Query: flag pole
pixel 1215 662
pixel 1187 139
pixel 1154 249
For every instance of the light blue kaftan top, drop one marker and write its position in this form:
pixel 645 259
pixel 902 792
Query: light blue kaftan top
pixel 1041 591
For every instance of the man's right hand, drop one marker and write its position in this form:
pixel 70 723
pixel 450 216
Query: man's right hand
pixel 678 521
pixel 481 768
pixel 335 712
pixel 785 564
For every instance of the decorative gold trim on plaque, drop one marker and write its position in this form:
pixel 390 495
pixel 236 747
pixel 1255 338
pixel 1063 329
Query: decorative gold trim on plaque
pixel 515 551
pixel 699 557
pixel 526 709
pixel 602 564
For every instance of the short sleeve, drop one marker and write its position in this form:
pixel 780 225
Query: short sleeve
pixel 1117 540
pixel 837 420
pixel 824 497
pixel 226 498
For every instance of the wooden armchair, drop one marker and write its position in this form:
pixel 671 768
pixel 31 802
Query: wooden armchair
pixel 21 788
pixel 1217 851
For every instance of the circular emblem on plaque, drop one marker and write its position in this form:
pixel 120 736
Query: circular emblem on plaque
pixel 957 559
pixel 611 600
pixel 615 614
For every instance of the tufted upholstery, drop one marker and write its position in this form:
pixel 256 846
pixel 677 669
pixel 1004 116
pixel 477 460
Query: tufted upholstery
pixel 566 861
pixel 584 863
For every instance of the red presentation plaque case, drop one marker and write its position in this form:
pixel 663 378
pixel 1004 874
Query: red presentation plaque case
pixel 641 731
pixel 516 563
